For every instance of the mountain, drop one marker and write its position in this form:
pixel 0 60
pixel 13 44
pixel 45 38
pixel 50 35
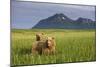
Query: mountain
pixel 62 21
pixel 84 20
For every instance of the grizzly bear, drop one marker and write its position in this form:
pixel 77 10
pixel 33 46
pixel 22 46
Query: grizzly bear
pixel 37 45
pixel 50 45
pixel 46 46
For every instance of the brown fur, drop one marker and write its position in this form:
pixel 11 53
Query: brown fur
pixel 46 46
pixel 38 47
pixel 39 36
pixel 49 46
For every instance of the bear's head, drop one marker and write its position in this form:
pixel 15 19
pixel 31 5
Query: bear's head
pixel 50 42
pixel 39 36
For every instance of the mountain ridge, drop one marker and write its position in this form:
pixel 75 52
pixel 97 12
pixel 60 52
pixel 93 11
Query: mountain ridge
pixel 62 21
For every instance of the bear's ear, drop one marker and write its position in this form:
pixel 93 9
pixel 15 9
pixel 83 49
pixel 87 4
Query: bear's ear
pixel 53 38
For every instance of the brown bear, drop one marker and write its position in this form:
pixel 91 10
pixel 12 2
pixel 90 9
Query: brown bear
pixel 46 46
pixel 50 45
pixel 38 44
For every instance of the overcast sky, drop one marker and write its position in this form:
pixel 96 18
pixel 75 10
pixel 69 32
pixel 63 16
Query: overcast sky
pixel 25 15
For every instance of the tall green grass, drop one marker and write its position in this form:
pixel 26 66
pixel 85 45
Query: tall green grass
pixel 72 46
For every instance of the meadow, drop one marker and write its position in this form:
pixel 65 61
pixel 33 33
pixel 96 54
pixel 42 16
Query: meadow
pixel 72 46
